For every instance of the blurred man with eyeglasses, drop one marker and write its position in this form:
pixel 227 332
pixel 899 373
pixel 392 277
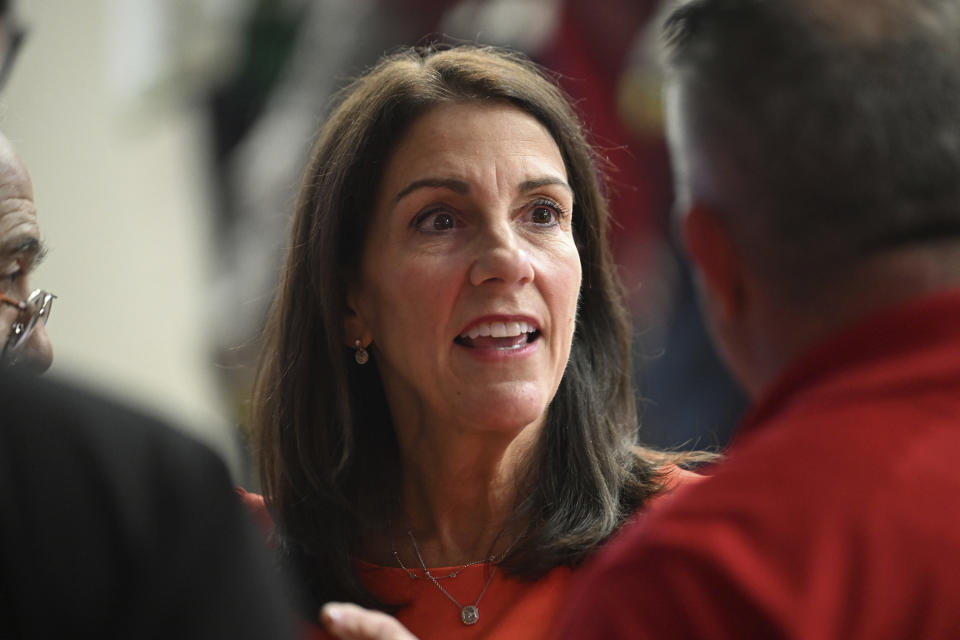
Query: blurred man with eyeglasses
pixel 23 311
pixel 113 524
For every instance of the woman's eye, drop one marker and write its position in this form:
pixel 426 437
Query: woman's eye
pixel 546 213
pixel 543 215
pixel 435 221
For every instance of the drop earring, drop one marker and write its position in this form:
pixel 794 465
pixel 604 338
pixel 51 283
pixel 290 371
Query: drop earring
pixel 360 354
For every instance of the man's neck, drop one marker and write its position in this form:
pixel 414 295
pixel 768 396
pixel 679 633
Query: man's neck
pixel 790 328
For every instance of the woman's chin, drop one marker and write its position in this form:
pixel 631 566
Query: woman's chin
pixel 506 410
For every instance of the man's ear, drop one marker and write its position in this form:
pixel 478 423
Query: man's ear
pixel 716 260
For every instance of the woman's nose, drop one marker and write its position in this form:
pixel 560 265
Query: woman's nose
pixel 502 257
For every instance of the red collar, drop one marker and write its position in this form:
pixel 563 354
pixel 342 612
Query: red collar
pixel 915 326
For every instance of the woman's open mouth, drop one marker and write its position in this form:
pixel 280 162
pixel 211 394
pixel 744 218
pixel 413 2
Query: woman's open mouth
pixel 498 335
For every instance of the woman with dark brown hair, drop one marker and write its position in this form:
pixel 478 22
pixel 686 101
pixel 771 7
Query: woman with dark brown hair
pixel 444 421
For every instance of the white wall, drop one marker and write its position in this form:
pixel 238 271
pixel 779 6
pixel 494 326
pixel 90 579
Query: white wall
pixel 123 196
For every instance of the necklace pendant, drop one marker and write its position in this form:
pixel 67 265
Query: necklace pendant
pixel 469 615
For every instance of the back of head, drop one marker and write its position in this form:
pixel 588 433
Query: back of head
pixel 825 131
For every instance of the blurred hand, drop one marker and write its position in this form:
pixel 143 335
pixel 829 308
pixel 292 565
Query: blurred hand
pixel 350 622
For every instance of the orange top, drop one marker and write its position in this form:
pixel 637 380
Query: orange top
pixel 509 608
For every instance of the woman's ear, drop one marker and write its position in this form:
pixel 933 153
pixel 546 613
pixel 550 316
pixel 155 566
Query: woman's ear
pixel 354 327
pixel 716 260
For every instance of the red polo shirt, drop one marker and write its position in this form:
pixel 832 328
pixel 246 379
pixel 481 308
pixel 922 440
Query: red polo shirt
pixel 836 514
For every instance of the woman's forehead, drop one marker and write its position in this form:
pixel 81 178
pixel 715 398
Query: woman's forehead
pixel 466 141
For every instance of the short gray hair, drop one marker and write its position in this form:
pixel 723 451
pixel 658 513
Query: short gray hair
pixel 840 119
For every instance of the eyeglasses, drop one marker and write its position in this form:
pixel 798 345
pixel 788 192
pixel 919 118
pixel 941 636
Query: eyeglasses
pixel 12 34
pixel 35 310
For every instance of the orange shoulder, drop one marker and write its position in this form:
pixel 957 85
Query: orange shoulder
pixel 673 479
pixel 257 509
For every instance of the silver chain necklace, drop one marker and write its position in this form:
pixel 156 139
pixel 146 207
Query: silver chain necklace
pixel 468 614
pixel 453 574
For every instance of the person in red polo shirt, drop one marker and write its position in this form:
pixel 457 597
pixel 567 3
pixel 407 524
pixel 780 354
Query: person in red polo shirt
pixel 816 147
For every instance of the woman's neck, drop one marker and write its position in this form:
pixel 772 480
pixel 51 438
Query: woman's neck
pixel 459 490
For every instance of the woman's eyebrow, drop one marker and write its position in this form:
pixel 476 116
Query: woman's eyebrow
pixel 461 187
pixel 536 183
pixel 457 186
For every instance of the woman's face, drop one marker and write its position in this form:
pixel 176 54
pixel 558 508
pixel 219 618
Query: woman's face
pixel 469 280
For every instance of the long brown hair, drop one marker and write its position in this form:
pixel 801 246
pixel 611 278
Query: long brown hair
pixel 325 447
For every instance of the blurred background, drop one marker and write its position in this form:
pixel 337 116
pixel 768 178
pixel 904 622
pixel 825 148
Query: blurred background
pixel 166 138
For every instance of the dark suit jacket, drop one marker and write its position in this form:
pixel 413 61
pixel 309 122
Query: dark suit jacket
pixel 113 525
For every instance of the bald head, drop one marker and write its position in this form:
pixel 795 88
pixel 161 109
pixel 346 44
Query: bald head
pixel 13 173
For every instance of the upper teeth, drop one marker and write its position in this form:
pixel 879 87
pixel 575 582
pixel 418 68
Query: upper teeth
pixel 498 329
